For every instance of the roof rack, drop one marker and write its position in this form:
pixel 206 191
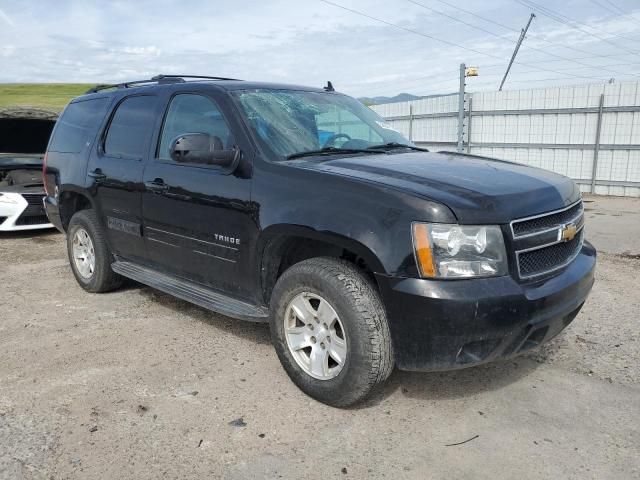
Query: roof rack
pixel 158 79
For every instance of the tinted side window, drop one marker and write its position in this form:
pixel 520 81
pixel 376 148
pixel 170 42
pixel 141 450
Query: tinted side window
pixel 130 127
pixel 78 124
pixel 190 113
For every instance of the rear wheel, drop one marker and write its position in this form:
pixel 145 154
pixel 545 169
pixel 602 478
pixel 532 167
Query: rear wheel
pixel 89 254
pixel 330 331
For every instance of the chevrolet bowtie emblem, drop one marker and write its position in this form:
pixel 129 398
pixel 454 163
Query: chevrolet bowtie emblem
pixel 568 232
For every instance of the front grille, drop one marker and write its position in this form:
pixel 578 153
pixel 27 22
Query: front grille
pixel 33 211
pixel 538 241
pixel 35 220
pixel 546 222
pixel 546 259
pixel 33 198
pixel 34 214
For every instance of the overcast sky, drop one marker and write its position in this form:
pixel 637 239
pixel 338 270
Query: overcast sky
pixel 310 42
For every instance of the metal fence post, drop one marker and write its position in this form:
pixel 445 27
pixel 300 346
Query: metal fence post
pixel 469 123
pixel 410 123
pixel 596 148
pixel 460 147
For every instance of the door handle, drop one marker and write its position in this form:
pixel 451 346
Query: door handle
pixel 157 186
pixel 97 175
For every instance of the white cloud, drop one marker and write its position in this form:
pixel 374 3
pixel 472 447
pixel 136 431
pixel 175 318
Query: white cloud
pixel 7 50
pixel 150 51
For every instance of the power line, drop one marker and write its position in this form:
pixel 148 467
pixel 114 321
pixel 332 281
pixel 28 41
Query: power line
pixel 503 38
pixel 457 19
pixel 604 7
pixel 410 83
pixel 570 21
pixel 453 81
pixel 407 83
pixel 381 86
pixel 617 11
pixel 446 42
pixel 420 93
pixel 568 47
pixel 564 20
pixel 493 65
pixel 576 68
pixel 551 79
pixel 410 30
pixel 615 6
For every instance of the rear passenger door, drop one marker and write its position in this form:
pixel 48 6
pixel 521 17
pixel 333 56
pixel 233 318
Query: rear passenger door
pixel 198 218
pixel 114 174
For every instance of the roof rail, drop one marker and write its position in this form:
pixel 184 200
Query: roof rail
pixel 158 79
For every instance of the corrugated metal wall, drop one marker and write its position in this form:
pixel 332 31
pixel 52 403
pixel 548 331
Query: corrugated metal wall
pixel 552 128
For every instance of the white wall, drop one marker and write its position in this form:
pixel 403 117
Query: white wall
pixel 542 134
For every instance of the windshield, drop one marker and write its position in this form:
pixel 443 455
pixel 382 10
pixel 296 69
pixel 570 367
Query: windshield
pixel 289 122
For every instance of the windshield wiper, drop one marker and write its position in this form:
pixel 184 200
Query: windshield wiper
pixel 391 145
pixel 329 151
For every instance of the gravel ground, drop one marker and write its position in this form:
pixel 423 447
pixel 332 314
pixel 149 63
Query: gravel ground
pixel 137 384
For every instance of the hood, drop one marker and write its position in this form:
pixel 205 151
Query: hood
pixel 25 130
pixel 477 189
pixel 35 189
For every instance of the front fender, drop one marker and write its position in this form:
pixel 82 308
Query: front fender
pixel 268 242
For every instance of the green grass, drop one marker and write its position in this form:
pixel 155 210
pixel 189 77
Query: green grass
pixel 51 96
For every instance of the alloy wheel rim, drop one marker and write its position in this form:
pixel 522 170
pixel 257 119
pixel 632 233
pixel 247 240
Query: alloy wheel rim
pixel 84 255
pixel 315 336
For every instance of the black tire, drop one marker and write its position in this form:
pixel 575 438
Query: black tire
pixel 369 360
pixel 103 278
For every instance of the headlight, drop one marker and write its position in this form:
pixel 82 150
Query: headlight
pixel 459 251
pixel 4 198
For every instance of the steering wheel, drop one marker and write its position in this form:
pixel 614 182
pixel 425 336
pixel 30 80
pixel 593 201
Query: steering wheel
pixel 332 139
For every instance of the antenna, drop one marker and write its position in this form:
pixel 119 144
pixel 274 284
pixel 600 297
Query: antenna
pixel 329 87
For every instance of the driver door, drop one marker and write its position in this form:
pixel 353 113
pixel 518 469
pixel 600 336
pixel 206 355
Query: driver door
pixel 197 217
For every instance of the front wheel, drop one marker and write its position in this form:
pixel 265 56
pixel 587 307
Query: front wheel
pixel 330 331
pixel 89 254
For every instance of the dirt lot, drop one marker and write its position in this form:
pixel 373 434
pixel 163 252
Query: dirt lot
pixel 136 384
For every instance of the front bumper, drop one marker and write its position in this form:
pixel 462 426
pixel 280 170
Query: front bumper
pixel 18 214
pixel 449 324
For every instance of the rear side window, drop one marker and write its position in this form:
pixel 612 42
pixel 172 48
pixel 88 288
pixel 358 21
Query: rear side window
pixel 78 124
pixel 131 128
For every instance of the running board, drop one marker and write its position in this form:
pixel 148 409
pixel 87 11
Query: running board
pixel 191 292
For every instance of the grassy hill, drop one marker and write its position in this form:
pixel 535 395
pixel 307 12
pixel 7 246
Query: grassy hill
pixel 51 96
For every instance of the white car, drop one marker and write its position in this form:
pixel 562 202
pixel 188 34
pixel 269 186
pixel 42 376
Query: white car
pixel 24 134
pixel 21 193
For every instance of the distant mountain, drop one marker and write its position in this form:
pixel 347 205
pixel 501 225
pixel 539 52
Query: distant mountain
pixel 401 97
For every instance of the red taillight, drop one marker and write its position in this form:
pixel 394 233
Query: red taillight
pixel 44 174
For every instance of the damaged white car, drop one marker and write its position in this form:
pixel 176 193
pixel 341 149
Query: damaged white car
pixel 24 134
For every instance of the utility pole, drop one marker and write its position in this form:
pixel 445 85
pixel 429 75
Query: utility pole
pixel 523 32
pixel 461 109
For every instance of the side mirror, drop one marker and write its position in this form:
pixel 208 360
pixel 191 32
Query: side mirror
pixel 202 148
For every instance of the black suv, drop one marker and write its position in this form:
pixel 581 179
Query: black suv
pixel 301 207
